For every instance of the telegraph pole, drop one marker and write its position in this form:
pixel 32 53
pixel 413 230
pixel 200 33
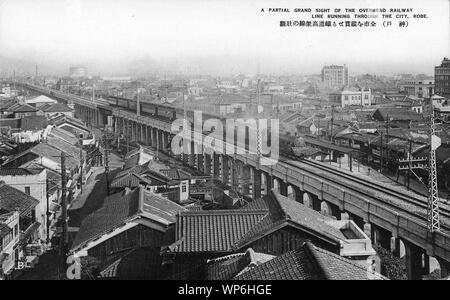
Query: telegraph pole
pixel 433 198
pixel 332 123
pixel 381 153
pixel 81 163
pixel 138 104
pixel 64 240
pixel 105 137
pixel 47 213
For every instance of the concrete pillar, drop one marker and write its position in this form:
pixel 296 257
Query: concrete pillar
pixel 132 134
pixel 307 200
pixel 233 175
pixel 269 183
pixel 368 230
pixel 147 140
pixel 445 267
pixel 256 189
pixel 216 165
pixel 166 139
pixel 207 163
pixel 381 237
pixel 325 209
pixel 247 181
pixel 413 261
pixel 200 163
pixel 395 246
pixel 426 264
pixel 159 139
pixel 150 136
pixel 283 188
pixel 225 169
pixel 237 177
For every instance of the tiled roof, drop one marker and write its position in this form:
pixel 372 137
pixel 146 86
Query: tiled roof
pixel 22 108
pixel 285 210
pixel 132 158
pixel 227 267
pixel 120 208
pixel 132 176
pixel 33 123
pixel 12 199
pixel 43 150
pixel 57 107
pixel 54 154
pixel 309 263
pixel 13 123
pixel 228 230
pixel 20 171
pixel 64 135
pixel 159 208
pixel 213 231
pixel 41 99
pixel 117 210
pixel 5 104
pixel 398 114
pixel 175 174
pixel 137 264
pixel 62 145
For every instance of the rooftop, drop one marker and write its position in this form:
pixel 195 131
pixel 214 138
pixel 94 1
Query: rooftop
pixel 20 171
pixel 122 208
pixel 41 99
pixel 309 263
pixel 12 199
pixel 229 230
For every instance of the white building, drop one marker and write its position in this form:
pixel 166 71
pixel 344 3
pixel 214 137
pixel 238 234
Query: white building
pixel 419 88
pixel 9 238
pixel 40 101
pixel 350 97
pixel 32 182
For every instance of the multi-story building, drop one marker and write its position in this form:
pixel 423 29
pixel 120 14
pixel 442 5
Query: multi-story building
pixel 335 76
pixel 9 239
pixel 77 71
pixel 33 183
pixel 419 88
pixel 353 96
pixel 442 78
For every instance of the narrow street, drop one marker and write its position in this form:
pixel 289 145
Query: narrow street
pixel 92 198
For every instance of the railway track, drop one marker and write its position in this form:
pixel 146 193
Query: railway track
pixel 409 204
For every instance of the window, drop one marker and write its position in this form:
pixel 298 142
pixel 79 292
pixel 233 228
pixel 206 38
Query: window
pixel 27 190
pixel 183 188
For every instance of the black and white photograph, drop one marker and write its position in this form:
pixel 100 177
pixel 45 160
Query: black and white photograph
pixel 210 144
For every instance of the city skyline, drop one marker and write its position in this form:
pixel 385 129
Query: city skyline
pixel 119 38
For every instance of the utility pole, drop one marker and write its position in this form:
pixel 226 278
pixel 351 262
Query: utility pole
pixel 81 163
pixel 381 153
pixel 138 104
pixel 47 213
pixel 433 198
pixel 258 129
pixel 433 221
pixel 106 139
pixel 332 123
pixel 64 238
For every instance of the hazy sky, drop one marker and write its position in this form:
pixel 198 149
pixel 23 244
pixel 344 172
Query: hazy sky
pixel 215 36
